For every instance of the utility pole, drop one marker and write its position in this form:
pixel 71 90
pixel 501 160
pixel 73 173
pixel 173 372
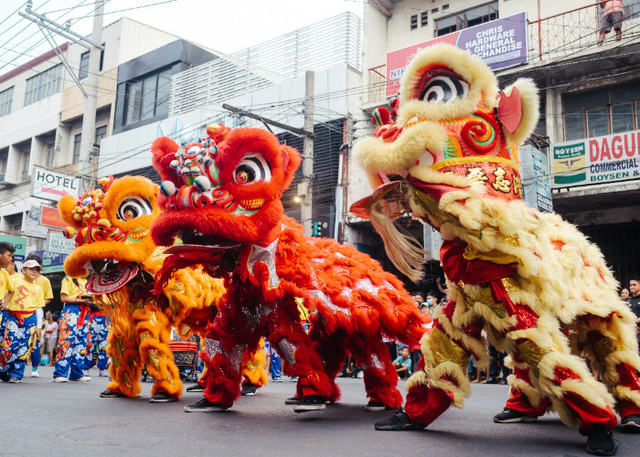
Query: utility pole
pixel 94 45
pixel 305 188
pixel 91 102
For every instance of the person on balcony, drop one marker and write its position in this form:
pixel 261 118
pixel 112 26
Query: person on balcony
pixel 612 18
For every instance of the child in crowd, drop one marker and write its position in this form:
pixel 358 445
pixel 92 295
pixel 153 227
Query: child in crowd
pixel 51 336
pixel 25 305
pixel 45 284
pixel 6 260
pixel 403 363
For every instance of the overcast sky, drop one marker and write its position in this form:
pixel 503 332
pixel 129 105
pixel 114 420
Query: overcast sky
pixel 226 26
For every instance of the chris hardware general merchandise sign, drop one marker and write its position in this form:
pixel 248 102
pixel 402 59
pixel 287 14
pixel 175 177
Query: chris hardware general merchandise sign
pixel 50 185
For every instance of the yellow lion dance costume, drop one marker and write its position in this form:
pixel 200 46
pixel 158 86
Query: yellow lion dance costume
pixel 113 246
pixel 447 154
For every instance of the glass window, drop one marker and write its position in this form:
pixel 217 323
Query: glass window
pixel 51 151
pixel 24 167
pixel 101 132
pixel 83 68
pixel 149 91
pixel 424 18
pixel 6 100
pixel 148 97
pixel 414 21
pixel 622 117
pixel 77 144
pixel 43 85
pixel 574 126
pixel 14 222
pixel 598 121
pixel 467 18
pixel 164 89
pixel 134 102
pixel 3 162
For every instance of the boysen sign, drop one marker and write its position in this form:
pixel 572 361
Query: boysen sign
pixel 597 160
pixel 53 186
pixel 501 44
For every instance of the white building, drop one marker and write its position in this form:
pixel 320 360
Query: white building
pixel 590 100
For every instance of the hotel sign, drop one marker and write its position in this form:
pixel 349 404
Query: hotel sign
pixel 50 185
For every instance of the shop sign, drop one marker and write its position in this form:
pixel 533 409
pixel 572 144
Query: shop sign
pixel 50 185
pixel 597 160
pixel 500 44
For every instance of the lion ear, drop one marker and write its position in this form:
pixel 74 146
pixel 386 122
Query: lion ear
pixel 163 150
pixel 290 163
pixel 65 207
pixel 518 110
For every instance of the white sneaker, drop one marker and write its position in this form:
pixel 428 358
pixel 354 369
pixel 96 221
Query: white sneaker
pixel 35 374
pixel 103 373
pixel 82 379
pixel 60 379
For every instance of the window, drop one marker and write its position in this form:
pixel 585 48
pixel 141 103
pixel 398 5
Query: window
pixel 424 18
pixel 24 166
pixel 14 223
pixel 51 154
pixel 467 18
pixel 414 21
pixel 601 112
pixel 77 144
pixel 43 85
pixel 6 99
pixel 3 164
pixel 83 69
pixel 147 97
pixel 101 132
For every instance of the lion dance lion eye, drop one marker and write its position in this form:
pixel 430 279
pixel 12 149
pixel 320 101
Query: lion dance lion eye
pixel 444 88
pixel 251 169
pixel 134 207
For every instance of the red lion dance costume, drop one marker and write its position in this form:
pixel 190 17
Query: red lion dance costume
pixel 222 198
pixel 113 246
pixel 447 154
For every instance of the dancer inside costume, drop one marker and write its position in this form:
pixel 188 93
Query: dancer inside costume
pixel 222 198
pixel 447 153
pixel 111 230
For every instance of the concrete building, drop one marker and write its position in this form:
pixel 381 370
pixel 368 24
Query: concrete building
pixel 590 99
pixel 268 80
pixel 41 112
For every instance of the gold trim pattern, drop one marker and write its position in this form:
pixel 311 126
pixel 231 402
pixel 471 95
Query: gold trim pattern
pixel 444 349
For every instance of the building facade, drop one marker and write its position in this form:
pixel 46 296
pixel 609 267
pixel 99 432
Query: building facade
pixel 590 119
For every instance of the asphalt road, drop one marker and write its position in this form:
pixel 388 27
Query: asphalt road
pixel 41 418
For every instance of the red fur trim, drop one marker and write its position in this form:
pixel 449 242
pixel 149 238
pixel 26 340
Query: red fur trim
pixel 224 388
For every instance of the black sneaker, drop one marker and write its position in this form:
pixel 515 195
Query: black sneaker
pixel 4 376
pixel 195 388
pixel 400 421
pixel 204 406
pixel 295 400
pixel 249 389
pixel 311 403
pixel 375 406
pixel 162 397
pixel 631 424
pixel 108 393
pixel 600 441
pixel 509 416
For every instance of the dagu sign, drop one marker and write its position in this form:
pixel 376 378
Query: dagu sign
pixel 597 160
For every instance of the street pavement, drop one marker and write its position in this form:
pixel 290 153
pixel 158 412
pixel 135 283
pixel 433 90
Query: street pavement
pixel 41 418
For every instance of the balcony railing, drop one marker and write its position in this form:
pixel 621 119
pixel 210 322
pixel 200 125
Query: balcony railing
pixel 552 37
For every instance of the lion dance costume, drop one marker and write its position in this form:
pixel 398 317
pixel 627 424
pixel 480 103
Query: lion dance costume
pixel 222 198
pixel 447 154
pixel 113 245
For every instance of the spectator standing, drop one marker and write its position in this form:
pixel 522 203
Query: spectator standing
pixel 97 341
pixel 612 18
pixel 72 331
pixel 51 337
pixel 6 260
pixel 45 284
pixel 624 294
pixel 25 305
pixel 634 300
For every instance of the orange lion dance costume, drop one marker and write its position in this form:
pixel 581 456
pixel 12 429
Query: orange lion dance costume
pixel 448 154
pixel 113 245
pixel 222 198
